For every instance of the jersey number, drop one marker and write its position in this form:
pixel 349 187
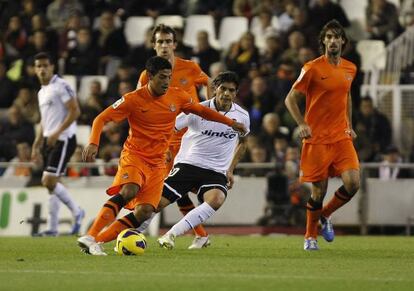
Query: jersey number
pixel 173 172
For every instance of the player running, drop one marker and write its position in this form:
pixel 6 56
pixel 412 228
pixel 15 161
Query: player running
pixel 151 112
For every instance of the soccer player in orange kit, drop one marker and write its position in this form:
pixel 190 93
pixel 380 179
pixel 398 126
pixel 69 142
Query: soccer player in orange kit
pixel 151 112
pixel 186 75
pixel 326 130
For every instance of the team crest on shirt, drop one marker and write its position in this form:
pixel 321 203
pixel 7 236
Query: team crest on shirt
pixel 172 108
pixel 125 176
pixel 183 81
pixel 348 77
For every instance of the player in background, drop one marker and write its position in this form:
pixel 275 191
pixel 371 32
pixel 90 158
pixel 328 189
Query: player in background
pixel 326 130
pixel 188 76
pixel 151 112
pixel 56 140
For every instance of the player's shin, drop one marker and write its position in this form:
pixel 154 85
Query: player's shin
pixel 107 214
pixel 195 217
pixel 313 214
pixel 109 234
pixel 340 198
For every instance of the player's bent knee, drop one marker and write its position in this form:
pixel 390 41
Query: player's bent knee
pixel 129 191
pixel 143 211
pixel 352 187
pixel 49 182
pixel 215 198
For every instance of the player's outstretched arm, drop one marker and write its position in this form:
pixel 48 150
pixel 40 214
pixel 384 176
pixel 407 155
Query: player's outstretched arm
pixel 212 115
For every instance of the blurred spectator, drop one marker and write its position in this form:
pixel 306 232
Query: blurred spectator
pixel 7 87
pixel 263 29
pixel 68 37
pixel 82 59
pixel 324 11
pixel 270 58
pixel 140 54
pixel 39 22
pixel 246 8
pixel 59 11
pixel 280 145
pixel 382 20
pixel 301 24
pixel 109 39
pixel 270 129
pixel 258 102
pixel 14 130
pixel 305 55
pixel 296 41
pixel 15 38
pixel 24 152
pixel 286 18
pixel 242 54
pixel 124 73
pixel 94 104
pixel 362 143
pixel 39 43
pixel 78 171
pixel 377 125
pixel 216 8
pixel 182 50
pixel 29 9
pixel 386 172
pixel 26 103
pixel 203 53
pixel 29 76
pixel 350 53
pixel 216 68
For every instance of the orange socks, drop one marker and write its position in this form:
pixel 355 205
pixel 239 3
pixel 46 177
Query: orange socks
pixel 107 214
pixel 128 221
pixel 199 230
pixel 340 198
pixel 313 214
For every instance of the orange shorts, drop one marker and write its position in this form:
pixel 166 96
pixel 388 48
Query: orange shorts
pixel 321 161
pixel 133 170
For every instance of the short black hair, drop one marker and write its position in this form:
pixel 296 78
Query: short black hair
pixel 156 64
pixel 226 77
pixel 43 56
pixel 337 28
pixel 162 28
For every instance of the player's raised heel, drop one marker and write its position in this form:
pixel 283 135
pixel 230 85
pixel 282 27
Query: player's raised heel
pixel 167 241
pixel 199 242
pixel 310 244
pixel 327 230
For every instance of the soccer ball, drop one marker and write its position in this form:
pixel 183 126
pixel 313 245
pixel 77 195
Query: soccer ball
pixel 130 243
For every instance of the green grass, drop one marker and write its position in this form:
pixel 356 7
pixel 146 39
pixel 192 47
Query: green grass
pixel 231 263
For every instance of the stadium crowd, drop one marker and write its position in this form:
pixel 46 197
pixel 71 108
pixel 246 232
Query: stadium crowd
pixel 87 38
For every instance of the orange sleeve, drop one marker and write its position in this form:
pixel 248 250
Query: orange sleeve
pixel 202 78
pixel 304 79
pixel 207 113
pixel 143 79
pixel 117 112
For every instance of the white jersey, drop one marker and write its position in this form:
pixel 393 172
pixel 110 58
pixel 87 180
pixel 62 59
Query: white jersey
pixel 52 99
pixel 209 144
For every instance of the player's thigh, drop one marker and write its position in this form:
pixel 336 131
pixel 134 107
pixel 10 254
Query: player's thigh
pixel 213 187
pixel 56 157
pixel 182 179
pixel 345 158
pixel 315 162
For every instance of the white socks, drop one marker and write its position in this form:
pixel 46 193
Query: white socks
pixel 146 223
pixel 62 193
pixel 193 218
pixel 53 219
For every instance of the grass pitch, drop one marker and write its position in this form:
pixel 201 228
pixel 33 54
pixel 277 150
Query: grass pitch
pixel 230 263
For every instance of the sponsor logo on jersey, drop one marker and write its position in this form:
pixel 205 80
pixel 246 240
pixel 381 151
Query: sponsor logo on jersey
pixel 348 77
pixel 118 102
pixel 228 134
pixel 125 176
pixel 183 81
pixel 172 107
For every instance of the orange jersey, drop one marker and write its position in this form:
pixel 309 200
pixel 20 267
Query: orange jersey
pixel 186 75
pixel 326 87
pixel 151 120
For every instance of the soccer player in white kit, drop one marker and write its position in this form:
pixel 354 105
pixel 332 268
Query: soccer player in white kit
pixel 208 155
pixel 56 140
